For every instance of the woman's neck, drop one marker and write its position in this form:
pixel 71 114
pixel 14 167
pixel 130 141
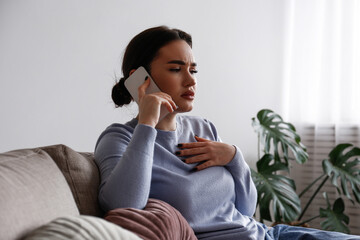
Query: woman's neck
pixel 168 123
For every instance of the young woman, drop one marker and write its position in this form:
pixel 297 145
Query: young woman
pixel 179 159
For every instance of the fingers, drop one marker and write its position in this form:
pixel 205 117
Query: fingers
pixel 194 149
pixel 198 153
pixel 199 139
pixel 169 102
pixel 204 165
pixel 191 145
pixel 197 158
pixel 207 153
pixel 143 87
pixel 201 142
pixel 164 99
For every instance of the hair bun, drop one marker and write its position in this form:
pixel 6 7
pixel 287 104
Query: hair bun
pixel 120 95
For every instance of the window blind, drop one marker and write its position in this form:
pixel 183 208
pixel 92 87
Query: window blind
pixel 320 140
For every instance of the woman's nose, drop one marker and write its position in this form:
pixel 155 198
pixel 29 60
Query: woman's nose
pixel 190 80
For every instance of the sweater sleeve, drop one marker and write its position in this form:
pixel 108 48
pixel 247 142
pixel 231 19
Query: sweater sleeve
pixel 125 163
pixel 245 190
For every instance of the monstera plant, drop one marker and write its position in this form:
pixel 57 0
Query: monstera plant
pixel 277 191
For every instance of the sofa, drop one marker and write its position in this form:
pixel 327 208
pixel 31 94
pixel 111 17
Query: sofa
pixel 51 192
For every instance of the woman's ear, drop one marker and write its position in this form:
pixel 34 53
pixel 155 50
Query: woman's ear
pixel 131 72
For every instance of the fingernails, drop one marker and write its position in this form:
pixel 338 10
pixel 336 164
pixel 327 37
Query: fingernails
pixel 177 153
pixel 179 145
pixel 146 78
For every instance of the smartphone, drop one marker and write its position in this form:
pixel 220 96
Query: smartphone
pixel 133 82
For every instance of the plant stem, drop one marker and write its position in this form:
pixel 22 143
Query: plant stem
pixel 312 197
pixel 308 187
pixel 258 146
pixel 306 221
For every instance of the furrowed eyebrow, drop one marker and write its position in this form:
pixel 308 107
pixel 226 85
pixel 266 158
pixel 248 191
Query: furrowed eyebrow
pixel 180 62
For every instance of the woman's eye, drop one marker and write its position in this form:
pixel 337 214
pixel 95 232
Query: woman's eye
pixel 192 71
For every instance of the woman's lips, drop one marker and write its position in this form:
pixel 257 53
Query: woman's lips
pixel 190 95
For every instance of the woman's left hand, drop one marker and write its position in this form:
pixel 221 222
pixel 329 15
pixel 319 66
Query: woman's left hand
pixel 209 152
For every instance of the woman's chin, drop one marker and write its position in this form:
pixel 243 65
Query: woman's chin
pixel 184 109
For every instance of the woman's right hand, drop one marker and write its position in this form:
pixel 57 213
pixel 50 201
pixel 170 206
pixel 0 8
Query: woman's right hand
pixel 150 105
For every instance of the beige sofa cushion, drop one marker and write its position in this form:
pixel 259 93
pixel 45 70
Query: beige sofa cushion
pixel 82 175
pixel 32 192
pixel 81 228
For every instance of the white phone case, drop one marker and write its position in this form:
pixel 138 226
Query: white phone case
pixel 133 82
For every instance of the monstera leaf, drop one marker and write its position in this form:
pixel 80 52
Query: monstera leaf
pixel 343 166
pixel 275 190
pixel 280 135
pixel 335 220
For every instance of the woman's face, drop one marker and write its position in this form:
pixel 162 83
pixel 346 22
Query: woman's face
pixel 173 70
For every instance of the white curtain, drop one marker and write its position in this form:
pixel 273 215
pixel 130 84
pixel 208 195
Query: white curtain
pixel 322 61
pixel 321 92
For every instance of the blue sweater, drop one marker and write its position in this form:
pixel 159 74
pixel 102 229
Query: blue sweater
pixel 137 162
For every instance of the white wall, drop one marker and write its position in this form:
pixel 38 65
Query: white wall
pixel 58 60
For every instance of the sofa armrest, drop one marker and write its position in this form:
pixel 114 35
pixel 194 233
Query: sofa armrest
pixel 33 192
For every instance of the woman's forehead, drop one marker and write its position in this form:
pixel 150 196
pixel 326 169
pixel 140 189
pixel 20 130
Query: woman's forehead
pixel 176 50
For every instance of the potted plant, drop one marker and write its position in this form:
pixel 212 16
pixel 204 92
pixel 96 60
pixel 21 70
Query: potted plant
pixel 277 191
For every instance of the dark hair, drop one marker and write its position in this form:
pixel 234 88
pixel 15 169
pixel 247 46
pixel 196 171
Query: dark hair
pixel 141 51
